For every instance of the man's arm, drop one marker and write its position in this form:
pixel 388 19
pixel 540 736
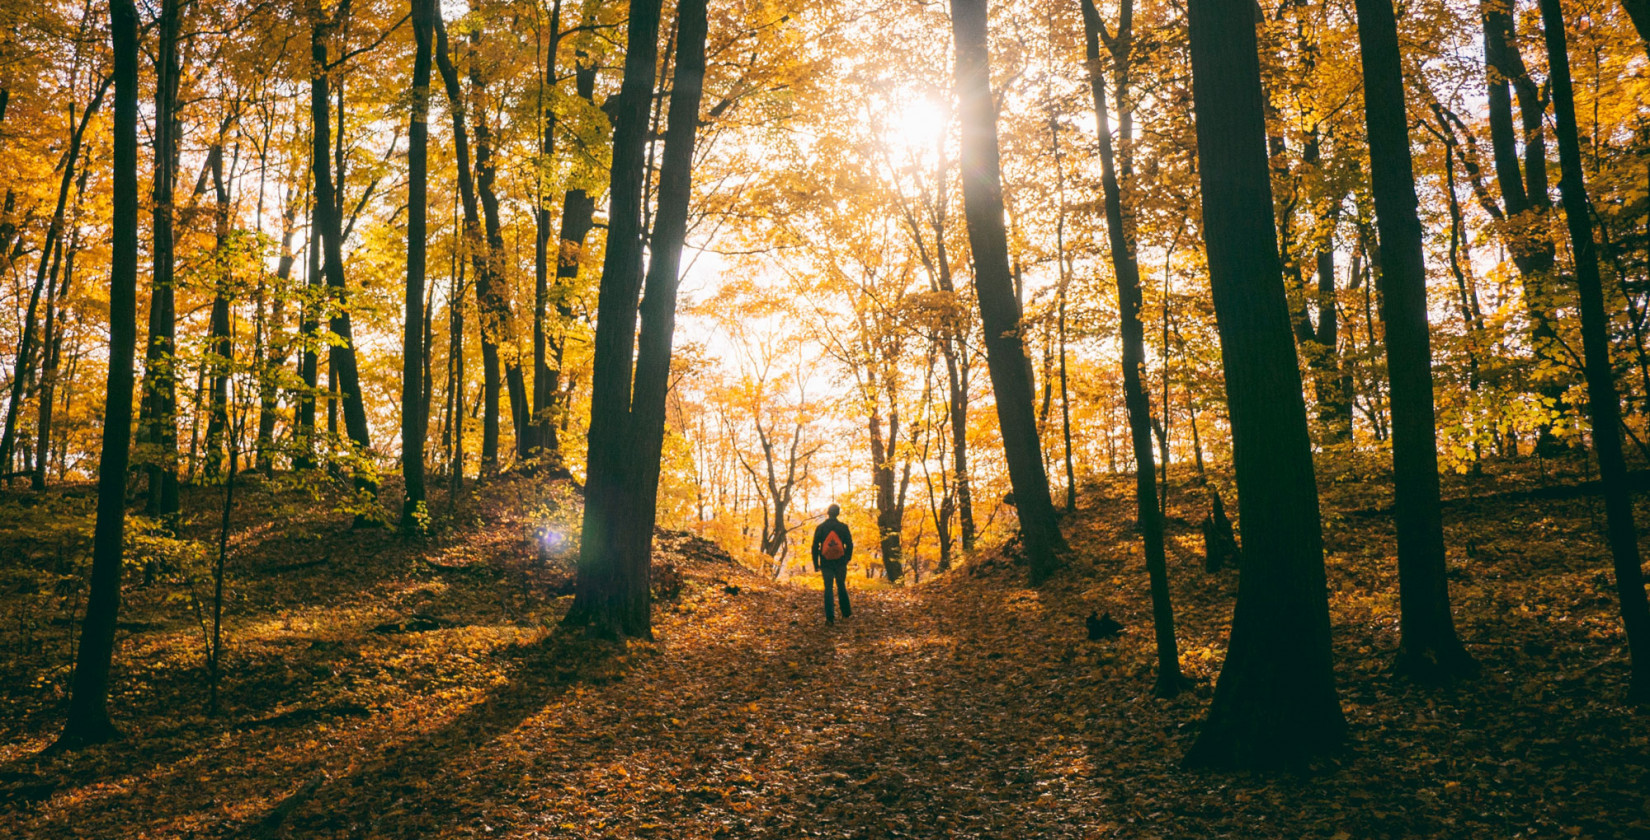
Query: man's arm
pixel 815 551
pixel 847 543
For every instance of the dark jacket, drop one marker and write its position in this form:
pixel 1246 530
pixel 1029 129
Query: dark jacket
pixel 842 532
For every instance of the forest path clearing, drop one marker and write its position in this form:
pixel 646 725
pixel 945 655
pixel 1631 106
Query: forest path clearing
pixel 751 718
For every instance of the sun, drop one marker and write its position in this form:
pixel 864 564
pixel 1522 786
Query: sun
pixel 917 124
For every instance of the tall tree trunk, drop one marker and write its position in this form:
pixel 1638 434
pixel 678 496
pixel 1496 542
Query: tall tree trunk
pixel 604 590
pixel 52 347
pixel 1275 702
pixel 496 316
pixel 658 316
pixel 159 426
pixel 1129 301
pixel 220 352
pixel 268 380
pixel 341 358
pixel 626 511
pixel 1429 649
pixel 88 716
pixel 413 425
pixel 540 431
pixel 999 309
pixel 475 243
pixel 309 329
pixel 1522 217
pixel 1602 398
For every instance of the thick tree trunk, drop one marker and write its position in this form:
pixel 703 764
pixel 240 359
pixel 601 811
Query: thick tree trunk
pixel 1275 702
pixel 88 715
pixel 1602 398
pixel 658 315
pixel 1429 649
pixel 999 308
pixel 159 425
pixel 413 425
pixel 605 590
pixel 1129 300
pixel 614 583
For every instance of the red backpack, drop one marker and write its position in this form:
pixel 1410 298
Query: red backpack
pixel 832 548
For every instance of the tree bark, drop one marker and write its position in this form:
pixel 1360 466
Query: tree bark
pixel 1602 397
pixel 88 716
pixel 999 308
pixel 1428 648
pixel 1275 703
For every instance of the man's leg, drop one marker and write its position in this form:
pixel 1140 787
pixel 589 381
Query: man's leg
pixel 842 589
pixel 830 615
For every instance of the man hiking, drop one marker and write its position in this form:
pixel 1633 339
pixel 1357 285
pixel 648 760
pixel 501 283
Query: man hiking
pixel 833 548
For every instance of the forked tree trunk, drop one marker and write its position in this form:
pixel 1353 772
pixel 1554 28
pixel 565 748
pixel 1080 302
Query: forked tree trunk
pixel 1129 301
pixel 994 283
pixel 607 594
pixel 1602 398
pixel 1275 702
pixel 1428 649
pixel 88 716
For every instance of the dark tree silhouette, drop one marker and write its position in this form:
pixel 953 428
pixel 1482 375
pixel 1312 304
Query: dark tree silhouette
pixel 1275 703
pixel 994 284
pixel 627 428
pixel 1428 649
pixel 413 426
pixel 1127 270
pixel 1602 398
pixel 88 719
pixel 328 217
pixel 159 422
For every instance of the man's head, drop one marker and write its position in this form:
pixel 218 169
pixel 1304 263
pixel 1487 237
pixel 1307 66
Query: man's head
pixel 833 511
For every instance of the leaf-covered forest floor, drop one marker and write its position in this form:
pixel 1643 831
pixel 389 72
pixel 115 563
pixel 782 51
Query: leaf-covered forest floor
pixel 375 688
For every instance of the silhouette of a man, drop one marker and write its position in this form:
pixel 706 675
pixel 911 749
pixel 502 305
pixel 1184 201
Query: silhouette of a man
pixel 833 548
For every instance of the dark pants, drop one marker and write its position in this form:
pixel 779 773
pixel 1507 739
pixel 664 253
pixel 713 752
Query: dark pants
pixel 835 571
